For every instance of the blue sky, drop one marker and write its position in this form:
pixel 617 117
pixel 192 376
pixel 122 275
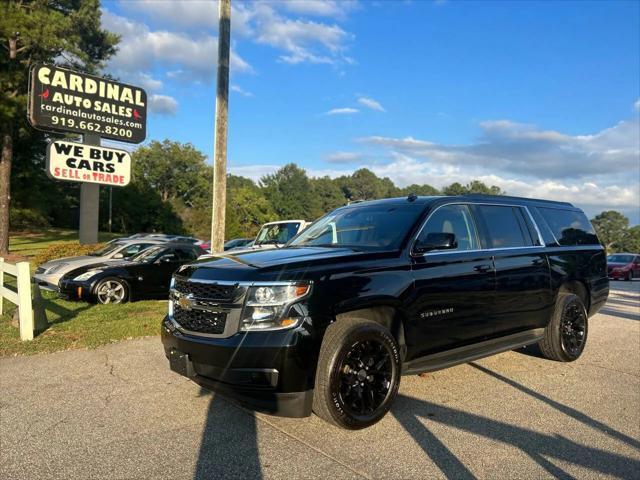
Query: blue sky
pixel 540 98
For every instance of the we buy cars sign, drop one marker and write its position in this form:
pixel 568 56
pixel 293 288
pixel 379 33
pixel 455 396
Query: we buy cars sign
pixel 62 100
pixel 85 163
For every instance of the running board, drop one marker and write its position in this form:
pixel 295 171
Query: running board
pixel 468 353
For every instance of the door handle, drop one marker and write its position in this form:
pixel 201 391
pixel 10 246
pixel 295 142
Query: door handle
pixel 482 268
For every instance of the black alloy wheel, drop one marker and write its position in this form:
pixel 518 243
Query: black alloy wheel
pixel 365 377
pixel 565 336
pixel 358 373
pixel 573 329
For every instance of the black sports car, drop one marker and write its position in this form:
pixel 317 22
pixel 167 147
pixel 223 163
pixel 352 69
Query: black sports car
pixel 146 275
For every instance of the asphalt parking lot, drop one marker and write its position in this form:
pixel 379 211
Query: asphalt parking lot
pixel 118 412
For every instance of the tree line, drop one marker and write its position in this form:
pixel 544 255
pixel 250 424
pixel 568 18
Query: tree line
pixel 170 192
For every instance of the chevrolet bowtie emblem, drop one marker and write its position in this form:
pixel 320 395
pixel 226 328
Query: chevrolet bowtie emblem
pixel 185 302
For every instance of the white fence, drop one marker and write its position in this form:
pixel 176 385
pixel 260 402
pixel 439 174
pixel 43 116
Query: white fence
pixel 21 297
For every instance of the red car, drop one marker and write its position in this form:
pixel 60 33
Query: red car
pixel 623 266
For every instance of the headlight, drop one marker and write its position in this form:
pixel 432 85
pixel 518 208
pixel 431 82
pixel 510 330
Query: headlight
pixel 266 306
pixel 55 268
pixel 87 275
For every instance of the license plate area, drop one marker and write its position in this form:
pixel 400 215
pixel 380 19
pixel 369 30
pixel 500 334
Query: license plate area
pixel 180 363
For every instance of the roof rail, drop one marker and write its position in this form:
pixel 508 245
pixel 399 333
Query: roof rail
pixel 508 197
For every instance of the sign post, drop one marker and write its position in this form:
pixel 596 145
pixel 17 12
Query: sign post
pixel 62 100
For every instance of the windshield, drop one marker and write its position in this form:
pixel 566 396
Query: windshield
pixel 374 227
pixel 107 249
pixel 277 233
pixel 620 258
pixel 148 255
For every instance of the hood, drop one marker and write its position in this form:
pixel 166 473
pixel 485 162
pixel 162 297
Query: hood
pixel 58 261
pixel 250 265
pixel 618 264
pixel 78 269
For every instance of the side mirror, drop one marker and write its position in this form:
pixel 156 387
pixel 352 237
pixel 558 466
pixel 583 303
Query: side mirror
pixel 118 255
pixel 436 241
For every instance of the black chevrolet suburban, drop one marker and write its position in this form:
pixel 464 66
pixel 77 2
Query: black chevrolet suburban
pixel 380 289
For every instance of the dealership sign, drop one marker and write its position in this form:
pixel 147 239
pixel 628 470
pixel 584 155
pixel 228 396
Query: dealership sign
pixel 86 163
pixel 66 101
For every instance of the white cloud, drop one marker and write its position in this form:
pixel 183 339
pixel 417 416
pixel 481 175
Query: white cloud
pixel 344 157
pixel 371 103
pixel 163 105
pixel 269 23
pixel 321 8
pixel 637 105
pixel 528 151
pixel 342 111
pixel 190 15
pixel 302 40
pixel 142 49
pixel 240 90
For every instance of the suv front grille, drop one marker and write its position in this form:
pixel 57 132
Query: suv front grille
pixel 200 321
pixel 208 291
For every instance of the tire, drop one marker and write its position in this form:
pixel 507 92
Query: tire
pixel 349 344
pixel 566 334
pixel 629 276
pixel 118 291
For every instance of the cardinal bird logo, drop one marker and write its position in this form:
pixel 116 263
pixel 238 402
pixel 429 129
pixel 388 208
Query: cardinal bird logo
pixel 45 94
pixel 136 115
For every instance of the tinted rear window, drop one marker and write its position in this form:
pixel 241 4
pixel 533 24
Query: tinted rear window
pixel 570 227
pixel 506 226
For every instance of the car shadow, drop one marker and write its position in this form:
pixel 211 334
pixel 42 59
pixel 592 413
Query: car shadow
pixel 570 412
pixel 229 445
pixel 616 312
pixel 417 416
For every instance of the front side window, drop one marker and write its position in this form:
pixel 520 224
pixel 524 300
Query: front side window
pixel 455 219
pixel 506 226
pixel 133 249
pixel 374 227
pixel 149 255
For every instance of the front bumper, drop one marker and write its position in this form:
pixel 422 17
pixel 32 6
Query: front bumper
pixel 47 282
pixel 73 290
pixel 617 274
pixel 272 372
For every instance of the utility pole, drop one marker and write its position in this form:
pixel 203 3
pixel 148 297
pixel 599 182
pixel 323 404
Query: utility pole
pixel 220 129
pixel 89 203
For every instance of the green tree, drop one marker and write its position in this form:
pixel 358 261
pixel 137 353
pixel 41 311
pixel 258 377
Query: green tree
pixel 454 189
pixel 611 227
pixel 247 209
pixel 290 194
pixel 177 171
pixel 630 240
pixel 475 186
pixel 66 32
pixel 419 190
pixel 329 194
pixel 363 184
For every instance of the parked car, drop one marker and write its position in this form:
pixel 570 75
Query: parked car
pixel 378 289
pixel 274 235
pixel 48 274
pixel 238 242
pixel 146 275
pixel 623 266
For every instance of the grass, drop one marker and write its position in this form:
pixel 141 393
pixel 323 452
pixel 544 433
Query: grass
pixel 29 244
pixel 74 324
